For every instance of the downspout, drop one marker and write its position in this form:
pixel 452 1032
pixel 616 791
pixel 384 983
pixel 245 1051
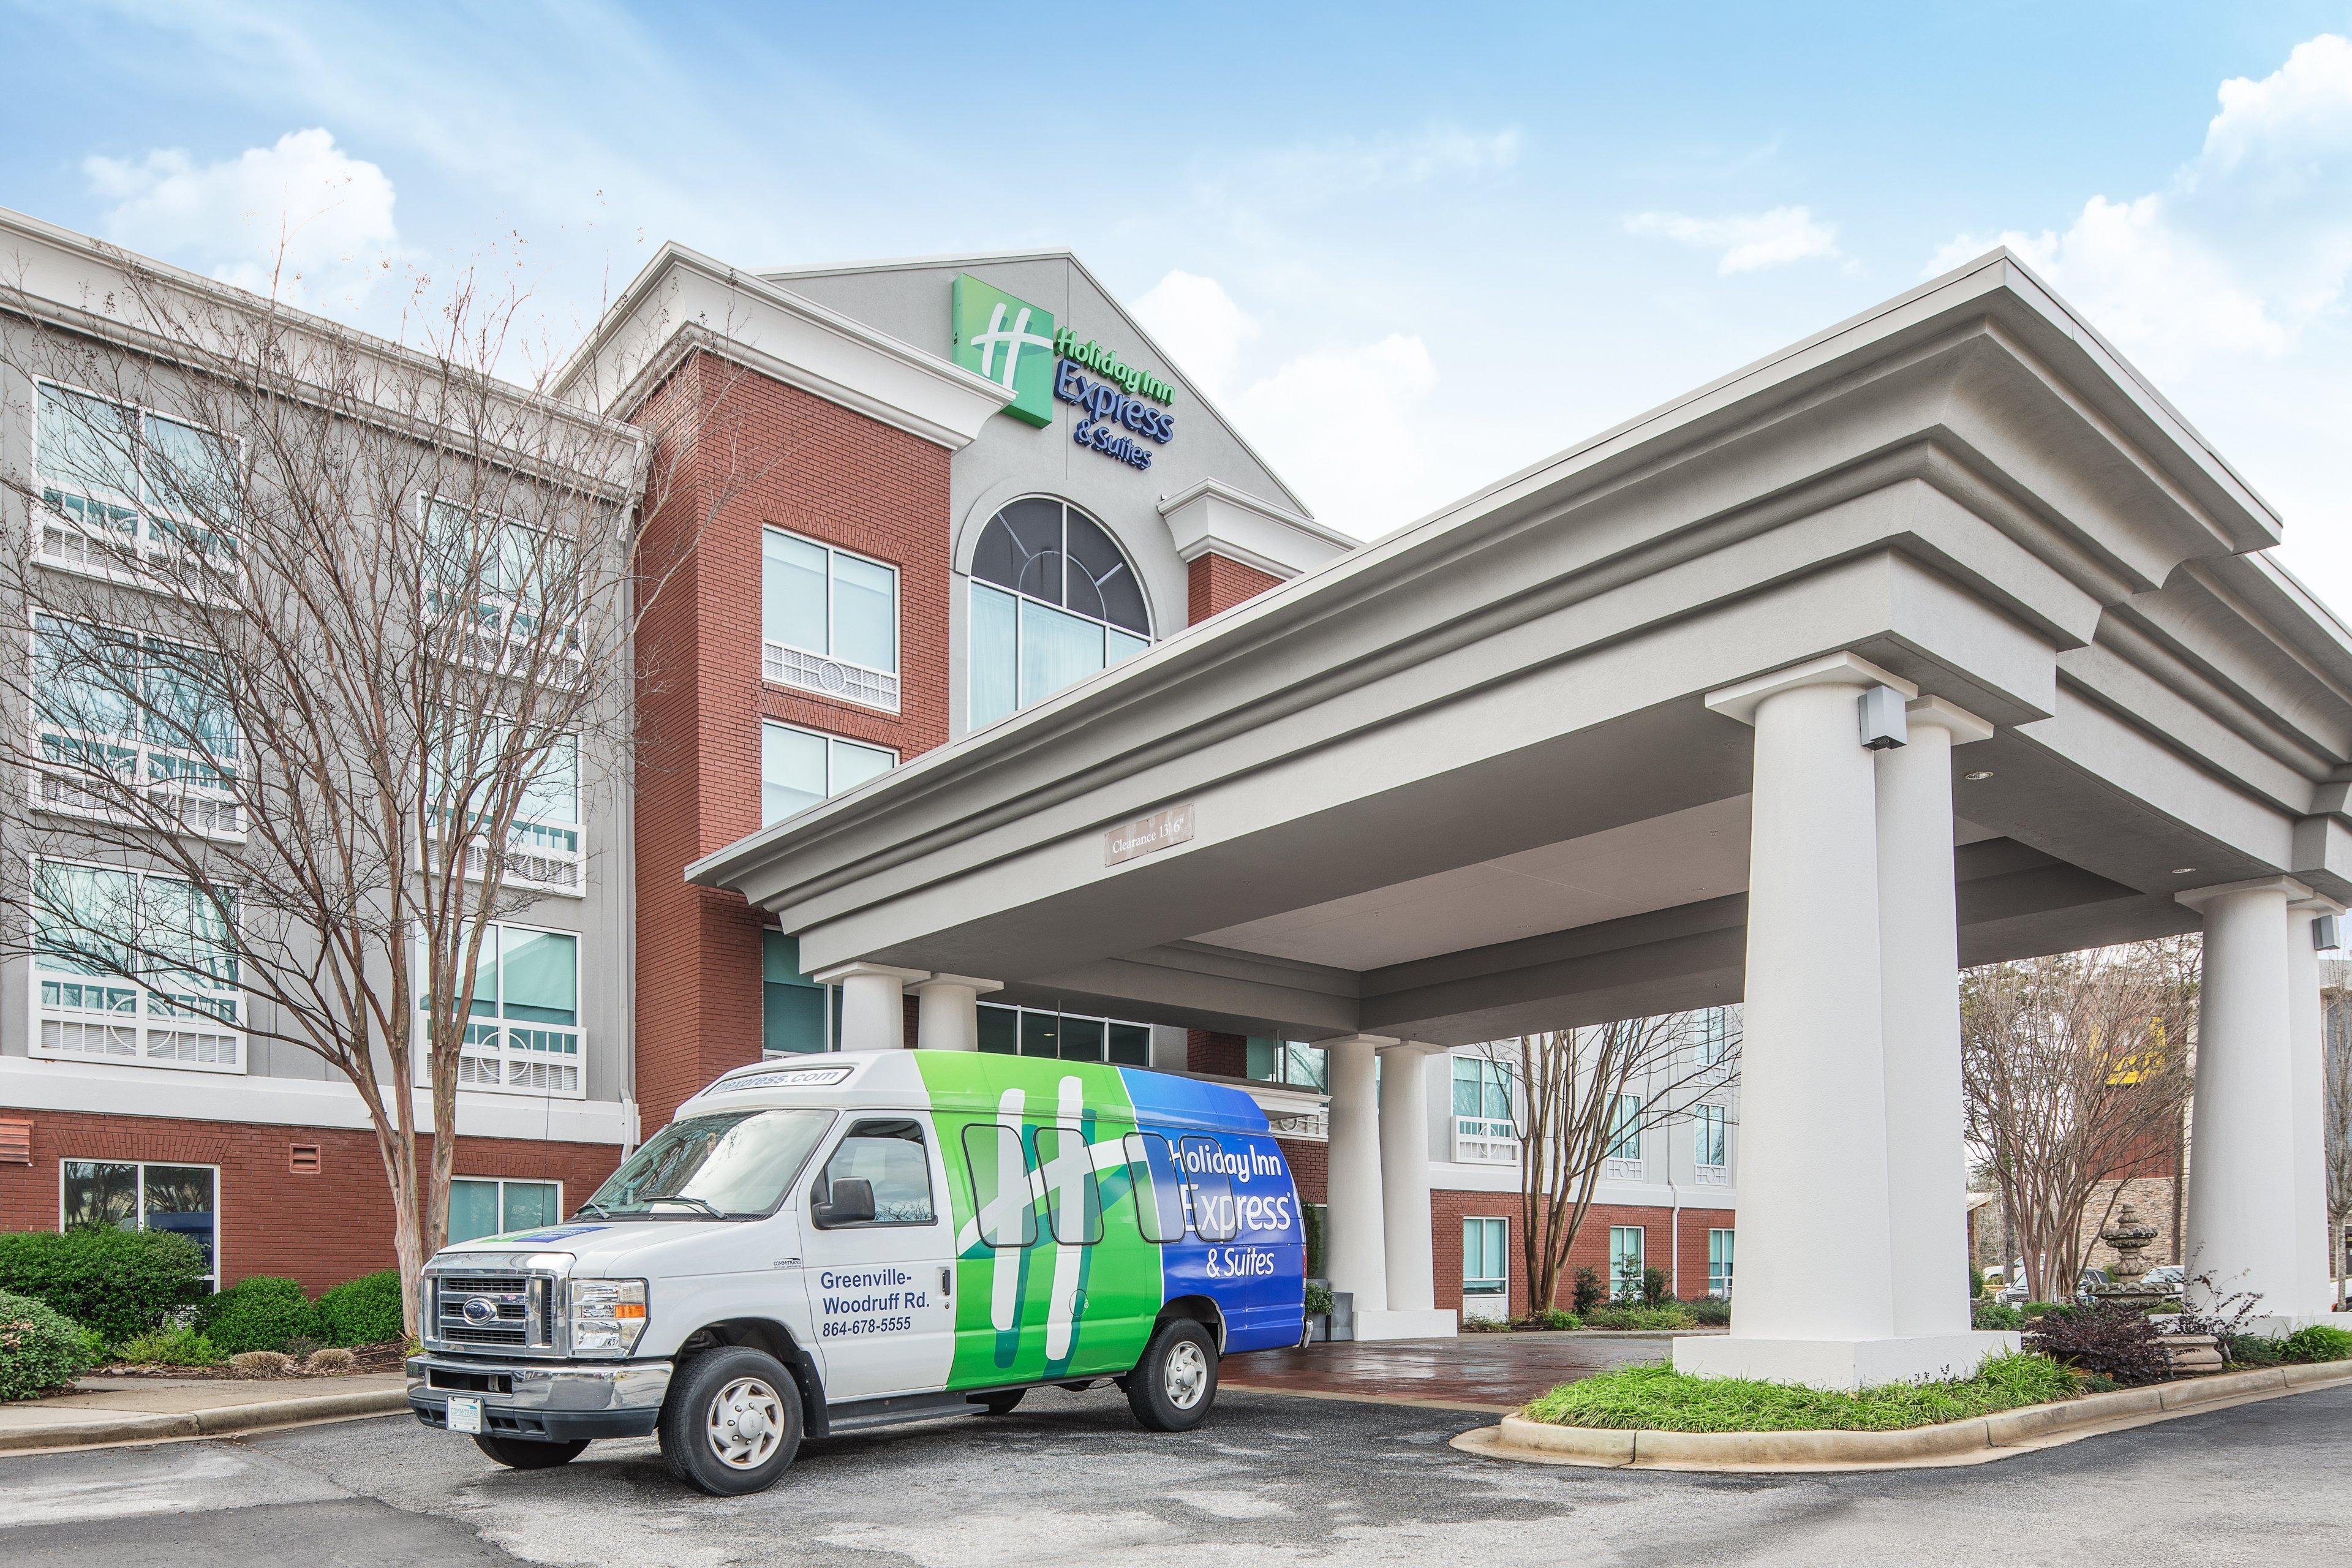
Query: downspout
pixel 1676 1273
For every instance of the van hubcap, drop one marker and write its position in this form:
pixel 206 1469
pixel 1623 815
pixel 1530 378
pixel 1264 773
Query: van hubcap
pixel 746 1423
pixel 1187 1377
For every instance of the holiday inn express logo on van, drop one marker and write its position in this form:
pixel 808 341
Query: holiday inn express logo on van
pixel 1007 341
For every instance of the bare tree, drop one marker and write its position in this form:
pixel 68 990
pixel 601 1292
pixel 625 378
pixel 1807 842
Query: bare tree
pixel 318 627
pixel 2075 1068
pixel 1582 1096
pixel 2335 1001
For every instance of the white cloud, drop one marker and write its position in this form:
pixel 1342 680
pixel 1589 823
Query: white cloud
pixel 304 216
pixel 1197 324
pixel 2288 123
pixel 1347 427
pixel 1748 243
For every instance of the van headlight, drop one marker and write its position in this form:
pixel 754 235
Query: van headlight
pixel 607 1316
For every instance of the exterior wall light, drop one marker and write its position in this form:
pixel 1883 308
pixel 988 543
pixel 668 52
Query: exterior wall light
pixel 1980 775
pixel 1883 724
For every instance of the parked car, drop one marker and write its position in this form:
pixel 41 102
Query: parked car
pixel 858 1239
pixel 2169 1277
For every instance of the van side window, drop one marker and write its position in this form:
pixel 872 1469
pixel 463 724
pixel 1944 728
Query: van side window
pixel 1073 1201
pixel 1211 1189
pixel 1159 1190
pixel 1001 1203
pixel 890 1157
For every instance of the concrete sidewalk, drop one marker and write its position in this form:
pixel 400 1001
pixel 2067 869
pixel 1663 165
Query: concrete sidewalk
pixel 107 1410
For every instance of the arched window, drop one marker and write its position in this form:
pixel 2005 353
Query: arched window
pixel 1053 601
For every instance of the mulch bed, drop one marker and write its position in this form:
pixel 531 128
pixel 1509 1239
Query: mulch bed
pixel 388 1356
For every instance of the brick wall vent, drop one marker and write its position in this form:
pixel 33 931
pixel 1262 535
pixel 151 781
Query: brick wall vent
pixel 15 1143
pixel 302 1159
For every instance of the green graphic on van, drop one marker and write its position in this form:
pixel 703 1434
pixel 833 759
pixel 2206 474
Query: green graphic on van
pixel 1005 338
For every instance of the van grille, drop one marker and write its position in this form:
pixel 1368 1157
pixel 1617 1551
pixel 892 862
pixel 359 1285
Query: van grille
pixel 483 1310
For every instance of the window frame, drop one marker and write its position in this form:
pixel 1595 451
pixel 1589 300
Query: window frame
pixel 139 1199
pixel 143 537
pixel 1720 1260
pixel 145 1023
pixel 1108 1024
pixel 511 606
pixel 1474 1285
pixel 777 669
pixel 521 853
pixel 824 1176
pixel 503 1055
pixel 1623 1287
pixel 502 1183
pixel 1149 637
pixel 831 740
pixel 227 809
pixel 1710 1124
pixel 830 1027
pixel 1623 1128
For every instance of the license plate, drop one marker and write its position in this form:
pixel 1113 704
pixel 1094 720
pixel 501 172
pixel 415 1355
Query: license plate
pixel 465 1414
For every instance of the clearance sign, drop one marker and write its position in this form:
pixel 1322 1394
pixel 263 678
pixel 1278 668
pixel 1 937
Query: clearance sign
pixel 1122 412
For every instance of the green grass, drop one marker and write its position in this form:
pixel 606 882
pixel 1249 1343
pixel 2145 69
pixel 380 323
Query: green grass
pixel 1662 1399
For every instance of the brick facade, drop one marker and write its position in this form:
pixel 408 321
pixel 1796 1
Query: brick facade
pixel 741 452
pixel 1449 1208
pixel 1215 584
pixel 321 1229
pixel 1226 1056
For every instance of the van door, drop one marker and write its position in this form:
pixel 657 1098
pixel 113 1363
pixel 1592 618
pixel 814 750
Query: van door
pixel 879 1260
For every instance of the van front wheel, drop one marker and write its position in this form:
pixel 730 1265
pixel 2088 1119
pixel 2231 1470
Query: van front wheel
pixel 1174 1385
pixel 731 1422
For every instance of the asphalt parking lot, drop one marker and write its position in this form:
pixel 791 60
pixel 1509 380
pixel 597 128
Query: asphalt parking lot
pixel 1272 1479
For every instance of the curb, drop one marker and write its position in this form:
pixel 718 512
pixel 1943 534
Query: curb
pixel 298 1411
pixel 1971 1442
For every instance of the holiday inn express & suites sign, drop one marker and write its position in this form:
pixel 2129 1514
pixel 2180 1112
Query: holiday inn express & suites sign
pixel 1006 339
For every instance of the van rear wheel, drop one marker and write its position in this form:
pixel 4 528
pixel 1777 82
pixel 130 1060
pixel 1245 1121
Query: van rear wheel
pixel 731 1422
pixel 1001 1402
pixel 529 1453
pixel 1174 1385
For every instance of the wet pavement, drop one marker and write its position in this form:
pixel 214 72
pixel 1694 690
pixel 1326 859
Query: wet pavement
pixel 1477 1371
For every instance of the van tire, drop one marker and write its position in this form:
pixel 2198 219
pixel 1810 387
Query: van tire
pixel 1001 1402
pixel 1174 1385
pixel 529 1453
pixel 708 1399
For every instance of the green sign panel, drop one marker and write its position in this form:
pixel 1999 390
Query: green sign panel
pixel 1007 341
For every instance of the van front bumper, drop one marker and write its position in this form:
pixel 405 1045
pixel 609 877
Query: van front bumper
pixel 540 1401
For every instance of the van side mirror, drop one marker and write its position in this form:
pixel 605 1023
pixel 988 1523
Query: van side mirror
pixel 852 1203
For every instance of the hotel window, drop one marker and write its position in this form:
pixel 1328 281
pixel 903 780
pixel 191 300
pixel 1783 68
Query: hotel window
pixel 485 1206
pixel 1714 1027
pixel 118 482
pixel 1719 1263
pixel 1484 1132
pixel 828 621
pixel 1485 1257
pixel 1625 1262
pixel 524 1034
pixel 1029 1032
pixel 797 1013
pixel 1626 1127
pixel 183 1199
pixel 1708 1145
pixel 134 967
pixel 1053 601
pixel 504 578
pixel 124 717
pixel 1268 1061
pixel 544 839
pixel 801 768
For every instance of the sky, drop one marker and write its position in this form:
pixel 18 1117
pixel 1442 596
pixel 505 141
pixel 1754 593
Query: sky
pixel 1406 249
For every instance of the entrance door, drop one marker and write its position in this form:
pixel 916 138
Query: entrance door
pixel 879 1286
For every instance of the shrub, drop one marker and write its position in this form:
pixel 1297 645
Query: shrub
pixel 40 1348
pixel 1976 1284
pixel 2251 1350
pixel 1654 1287
pixel 363 1312
pixel 1588 1293
pixel 261 1363
pixel 1994 1315
pixel 260 1313
pixel 1660 1398
pixel 302 1347
pixel 121 1283
pixel 1633 1315
pixel 1709 1311
pixel 1318 1299
pixel 2316 1342
pixel 171 1347
pixel 1552 1318
pixel 332 1359
pixel 2111 1340
pixel 1487 1325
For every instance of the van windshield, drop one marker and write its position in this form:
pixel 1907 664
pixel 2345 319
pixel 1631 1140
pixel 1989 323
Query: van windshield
pixel 734 1165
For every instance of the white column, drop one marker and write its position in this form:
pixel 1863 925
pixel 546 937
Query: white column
pixel 947 1011
pixel 1815 1302
pixel 1354 1233
pixel 1413 1309
pixel 1919 968
pixel 873 1003
pixel 2307 1062
pixel 2243 1215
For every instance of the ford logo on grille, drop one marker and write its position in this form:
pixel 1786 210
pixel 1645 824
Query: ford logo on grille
pixel 480 1309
